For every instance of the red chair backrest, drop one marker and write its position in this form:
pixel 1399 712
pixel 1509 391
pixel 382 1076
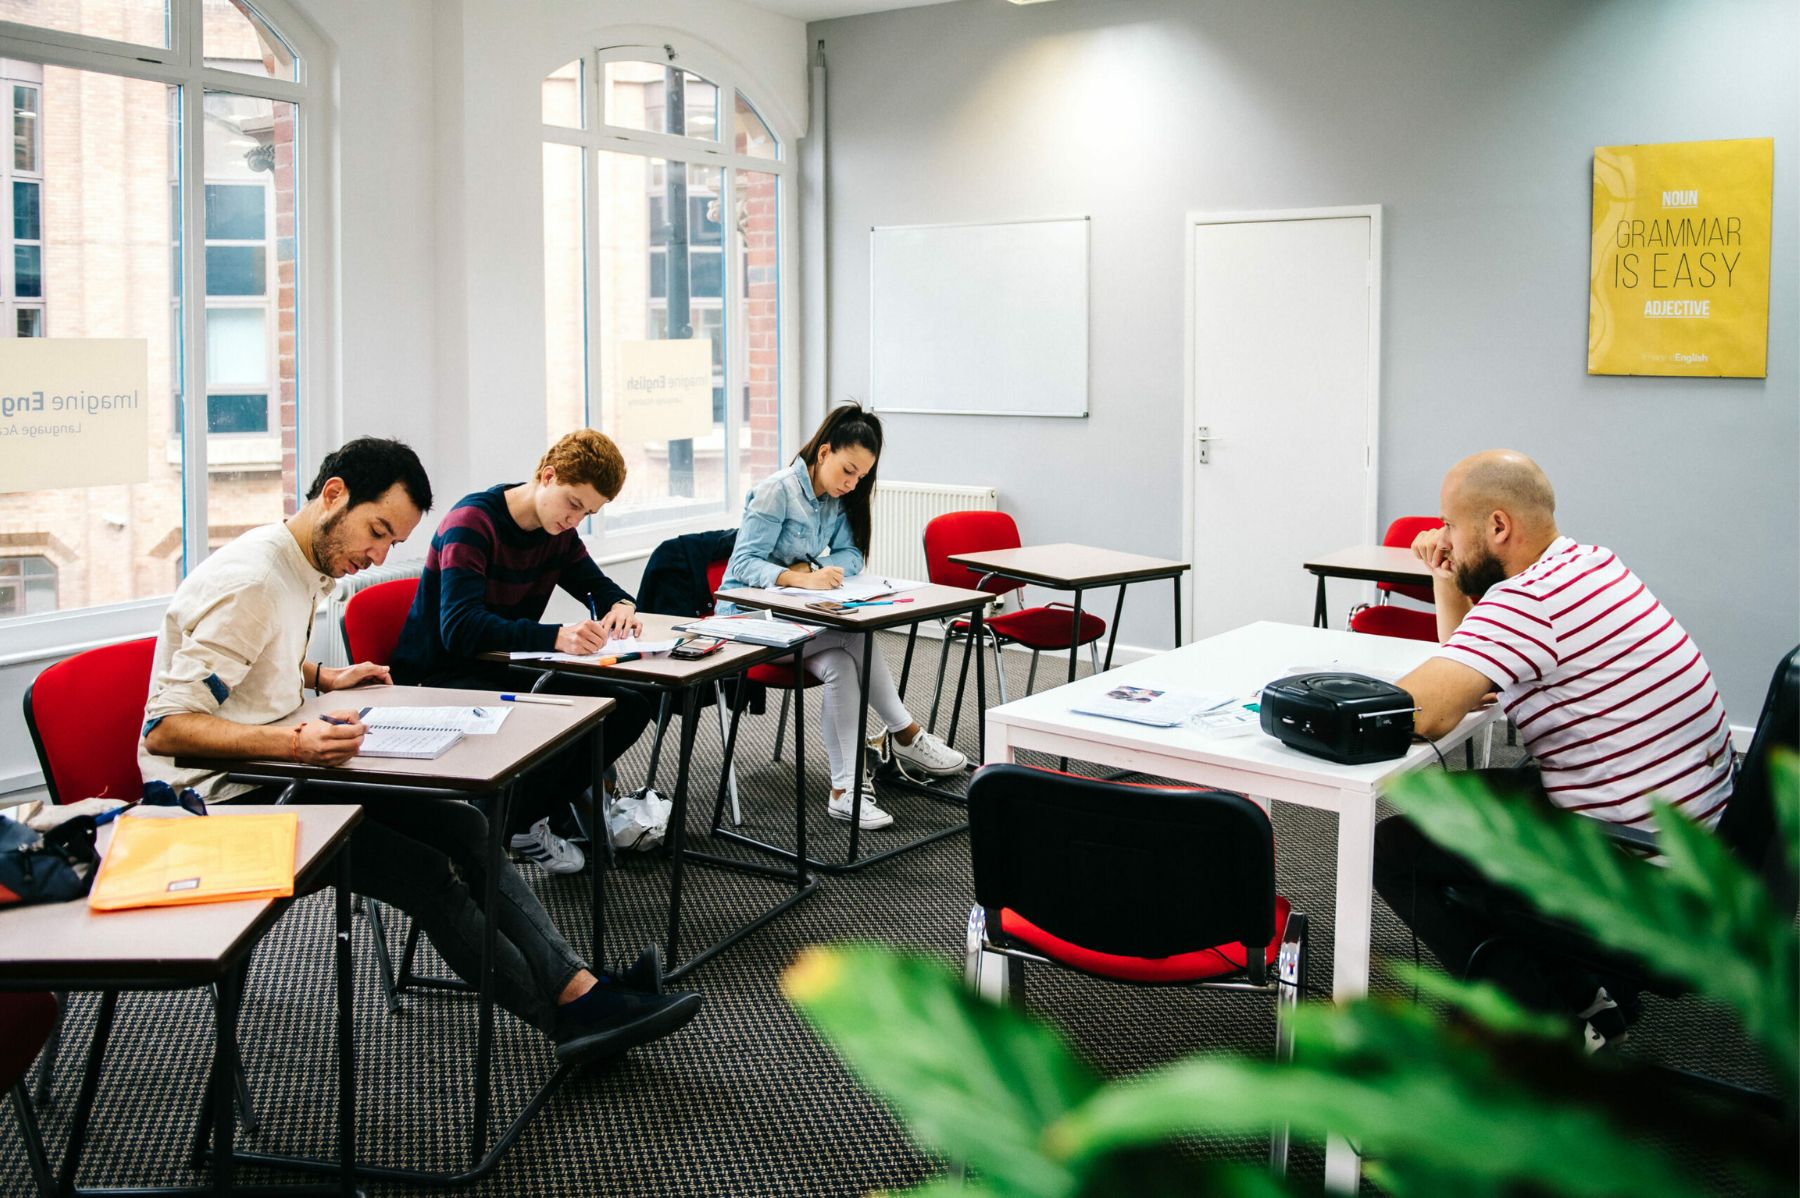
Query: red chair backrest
pixel 968 532
pixel 1400 535
pixel 86 716
pixel 374 617
pixel 715 574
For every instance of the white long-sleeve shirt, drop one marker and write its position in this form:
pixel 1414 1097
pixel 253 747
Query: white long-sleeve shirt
pixel 233 644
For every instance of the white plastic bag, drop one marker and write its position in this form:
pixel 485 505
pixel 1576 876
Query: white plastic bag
pixel 638 820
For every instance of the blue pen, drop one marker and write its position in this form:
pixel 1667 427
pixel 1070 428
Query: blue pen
pixel 593 608
pixel 343 723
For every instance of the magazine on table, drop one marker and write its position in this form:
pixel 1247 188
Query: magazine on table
pixel 1158 706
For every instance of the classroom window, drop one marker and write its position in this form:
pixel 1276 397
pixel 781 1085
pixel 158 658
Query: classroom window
pixel 27 586
pixel 663 235
pixel 206 282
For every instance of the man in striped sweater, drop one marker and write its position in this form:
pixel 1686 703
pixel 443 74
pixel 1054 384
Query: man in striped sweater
pixel 1611 697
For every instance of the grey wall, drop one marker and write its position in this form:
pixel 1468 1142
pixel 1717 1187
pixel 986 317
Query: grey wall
pixel 1473 125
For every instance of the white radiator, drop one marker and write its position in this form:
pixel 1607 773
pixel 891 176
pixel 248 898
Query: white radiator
pixel 328 633
pixel 900 513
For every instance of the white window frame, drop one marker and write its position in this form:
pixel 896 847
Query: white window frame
pixel 10 300
pixel 623 543
pixel 181 64
pixel 271 384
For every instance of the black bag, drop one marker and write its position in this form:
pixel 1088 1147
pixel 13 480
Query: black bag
pixel 46 867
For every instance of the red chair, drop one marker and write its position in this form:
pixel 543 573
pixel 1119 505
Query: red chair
pixel 1038 628
pixel 374 617
pixel 1147 885
pixel 1383 618
pixel 30 1020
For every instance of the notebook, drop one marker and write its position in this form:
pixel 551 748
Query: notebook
pixel 177 862
pixel 418 744
pixel 471 721
pixel 753 630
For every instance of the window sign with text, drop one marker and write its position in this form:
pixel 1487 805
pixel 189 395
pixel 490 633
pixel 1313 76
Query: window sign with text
pixel 73 412
pixel 1680 262
pixel 665 389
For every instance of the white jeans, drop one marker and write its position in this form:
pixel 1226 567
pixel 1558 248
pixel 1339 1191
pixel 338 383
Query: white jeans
pixel 834 657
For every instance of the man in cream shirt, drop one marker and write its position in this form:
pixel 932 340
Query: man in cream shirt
pixel 229 668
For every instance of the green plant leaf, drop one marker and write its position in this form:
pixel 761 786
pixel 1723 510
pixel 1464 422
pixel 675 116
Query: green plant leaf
pixel 1703 919
pixel 1433 1103
pixel 975 1082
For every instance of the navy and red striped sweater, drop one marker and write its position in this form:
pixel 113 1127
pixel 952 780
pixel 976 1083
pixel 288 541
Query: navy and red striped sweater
pixel 485 587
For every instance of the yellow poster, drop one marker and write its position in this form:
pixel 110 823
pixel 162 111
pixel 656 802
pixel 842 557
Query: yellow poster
pixel 1680 269
pixel 74 412
pixel 665 390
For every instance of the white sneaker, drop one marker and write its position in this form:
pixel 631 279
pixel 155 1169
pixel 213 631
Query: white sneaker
pixel 930 754
pixel 872 816
pixel 547 849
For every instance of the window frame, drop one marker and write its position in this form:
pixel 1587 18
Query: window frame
pixel 181 64
pixel 595 136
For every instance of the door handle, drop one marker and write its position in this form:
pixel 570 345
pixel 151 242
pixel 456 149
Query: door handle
pixel 1203 440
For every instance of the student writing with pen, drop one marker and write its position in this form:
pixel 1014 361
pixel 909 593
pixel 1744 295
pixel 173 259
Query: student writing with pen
pixel 794 520
pixel 495 561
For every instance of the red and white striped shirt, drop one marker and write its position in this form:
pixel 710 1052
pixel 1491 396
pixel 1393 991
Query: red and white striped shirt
pixel 1610 695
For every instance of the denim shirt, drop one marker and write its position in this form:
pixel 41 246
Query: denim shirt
pixel 784 523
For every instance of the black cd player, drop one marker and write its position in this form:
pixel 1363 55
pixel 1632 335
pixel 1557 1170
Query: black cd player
pixel 1347 718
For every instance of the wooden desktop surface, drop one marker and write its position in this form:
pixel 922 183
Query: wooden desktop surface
pixel 477 764
pixel 923 603
pixel 1070 566
pixel 63 943
pixel 1378 563
pixel 664 671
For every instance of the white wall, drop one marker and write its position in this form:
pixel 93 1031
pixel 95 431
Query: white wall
pixel 437 226
pixel 1473 125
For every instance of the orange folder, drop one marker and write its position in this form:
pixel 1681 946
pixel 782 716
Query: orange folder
pixel 211 859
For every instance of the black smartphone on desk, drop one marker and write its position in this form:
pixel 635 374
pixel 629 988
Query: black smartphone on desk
pixel 696 647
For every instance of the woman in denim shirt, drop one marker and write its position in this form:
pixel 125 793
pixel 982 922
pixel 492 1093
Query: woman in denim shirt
pixel 808 526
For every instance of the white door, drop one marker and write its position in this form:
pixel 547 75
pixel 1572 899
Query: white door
pixel 1283 319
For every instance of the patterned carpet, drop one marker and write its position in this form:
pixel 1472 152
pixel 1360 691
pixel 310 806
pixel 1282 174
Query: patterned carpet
pixel 745 1100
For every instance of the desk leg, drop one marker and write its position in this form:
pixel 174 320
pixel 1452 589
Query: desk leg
pixel 599 849
pixel 962 676
pixel 912 639
pixel 1177 581
pixel 1112 640
pixel 346 1030
pixel 1350 946
pixel 977 626
pixel 1075 633
pixel 1319 620
pixel 90 1085
pixel 800 760
pixel 677 842
pixel 224 1086
pixel 862 744
pixel 484 1036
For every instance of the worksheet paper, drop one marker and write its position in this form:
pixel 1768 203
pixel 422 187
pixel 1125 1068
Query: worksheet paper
pixel 1154 705
pixel 862 586
pixel 471 721
pixel 420 744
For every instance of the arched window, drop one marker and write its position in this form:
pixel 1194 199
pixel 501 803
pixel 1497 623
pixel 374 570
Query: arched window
pixel 663 225
pixel 151 275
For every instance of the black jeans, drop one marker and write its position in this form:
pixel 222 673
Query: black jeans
pixel 546 789
pixel 427 856
pixel 1413 873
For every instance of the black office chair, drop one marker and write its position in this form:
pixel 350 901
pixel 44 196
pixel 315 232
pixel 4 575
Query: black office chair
pixel 1150 885
pixel 1747 827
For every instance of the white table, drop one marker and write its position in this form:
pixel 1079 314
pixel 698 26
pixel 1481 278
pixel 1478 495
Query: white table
pixel 1241 662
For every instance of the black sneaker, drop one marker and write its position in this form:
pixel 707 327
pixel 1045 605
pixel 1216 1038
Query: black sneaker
pixel 607 1020
pixel 645 974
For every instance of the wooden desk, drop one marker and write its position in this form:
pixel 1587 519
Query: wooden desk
pixel 923 603
pixel 1371 563
pixel 474 766
pixel 670 677
pixel 1066 567
pixel 1241 662
pixel 66 946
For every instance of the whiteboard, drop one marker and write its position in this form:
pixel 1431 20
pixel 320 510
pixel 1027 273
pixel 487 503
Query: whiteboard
pixel 980 320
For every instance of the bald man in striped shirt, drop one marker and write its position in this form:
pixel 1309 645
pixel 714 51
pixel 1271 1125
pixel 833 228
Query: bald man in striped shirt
pixel 1609 694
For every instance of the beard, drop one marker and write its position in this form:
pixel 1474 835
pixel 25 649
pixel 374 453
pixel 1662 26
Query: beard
pixel 1473 578
pixel 328 542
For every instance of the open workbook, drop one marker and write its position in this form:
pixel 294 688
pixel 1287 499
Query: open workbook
pixel 422 733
